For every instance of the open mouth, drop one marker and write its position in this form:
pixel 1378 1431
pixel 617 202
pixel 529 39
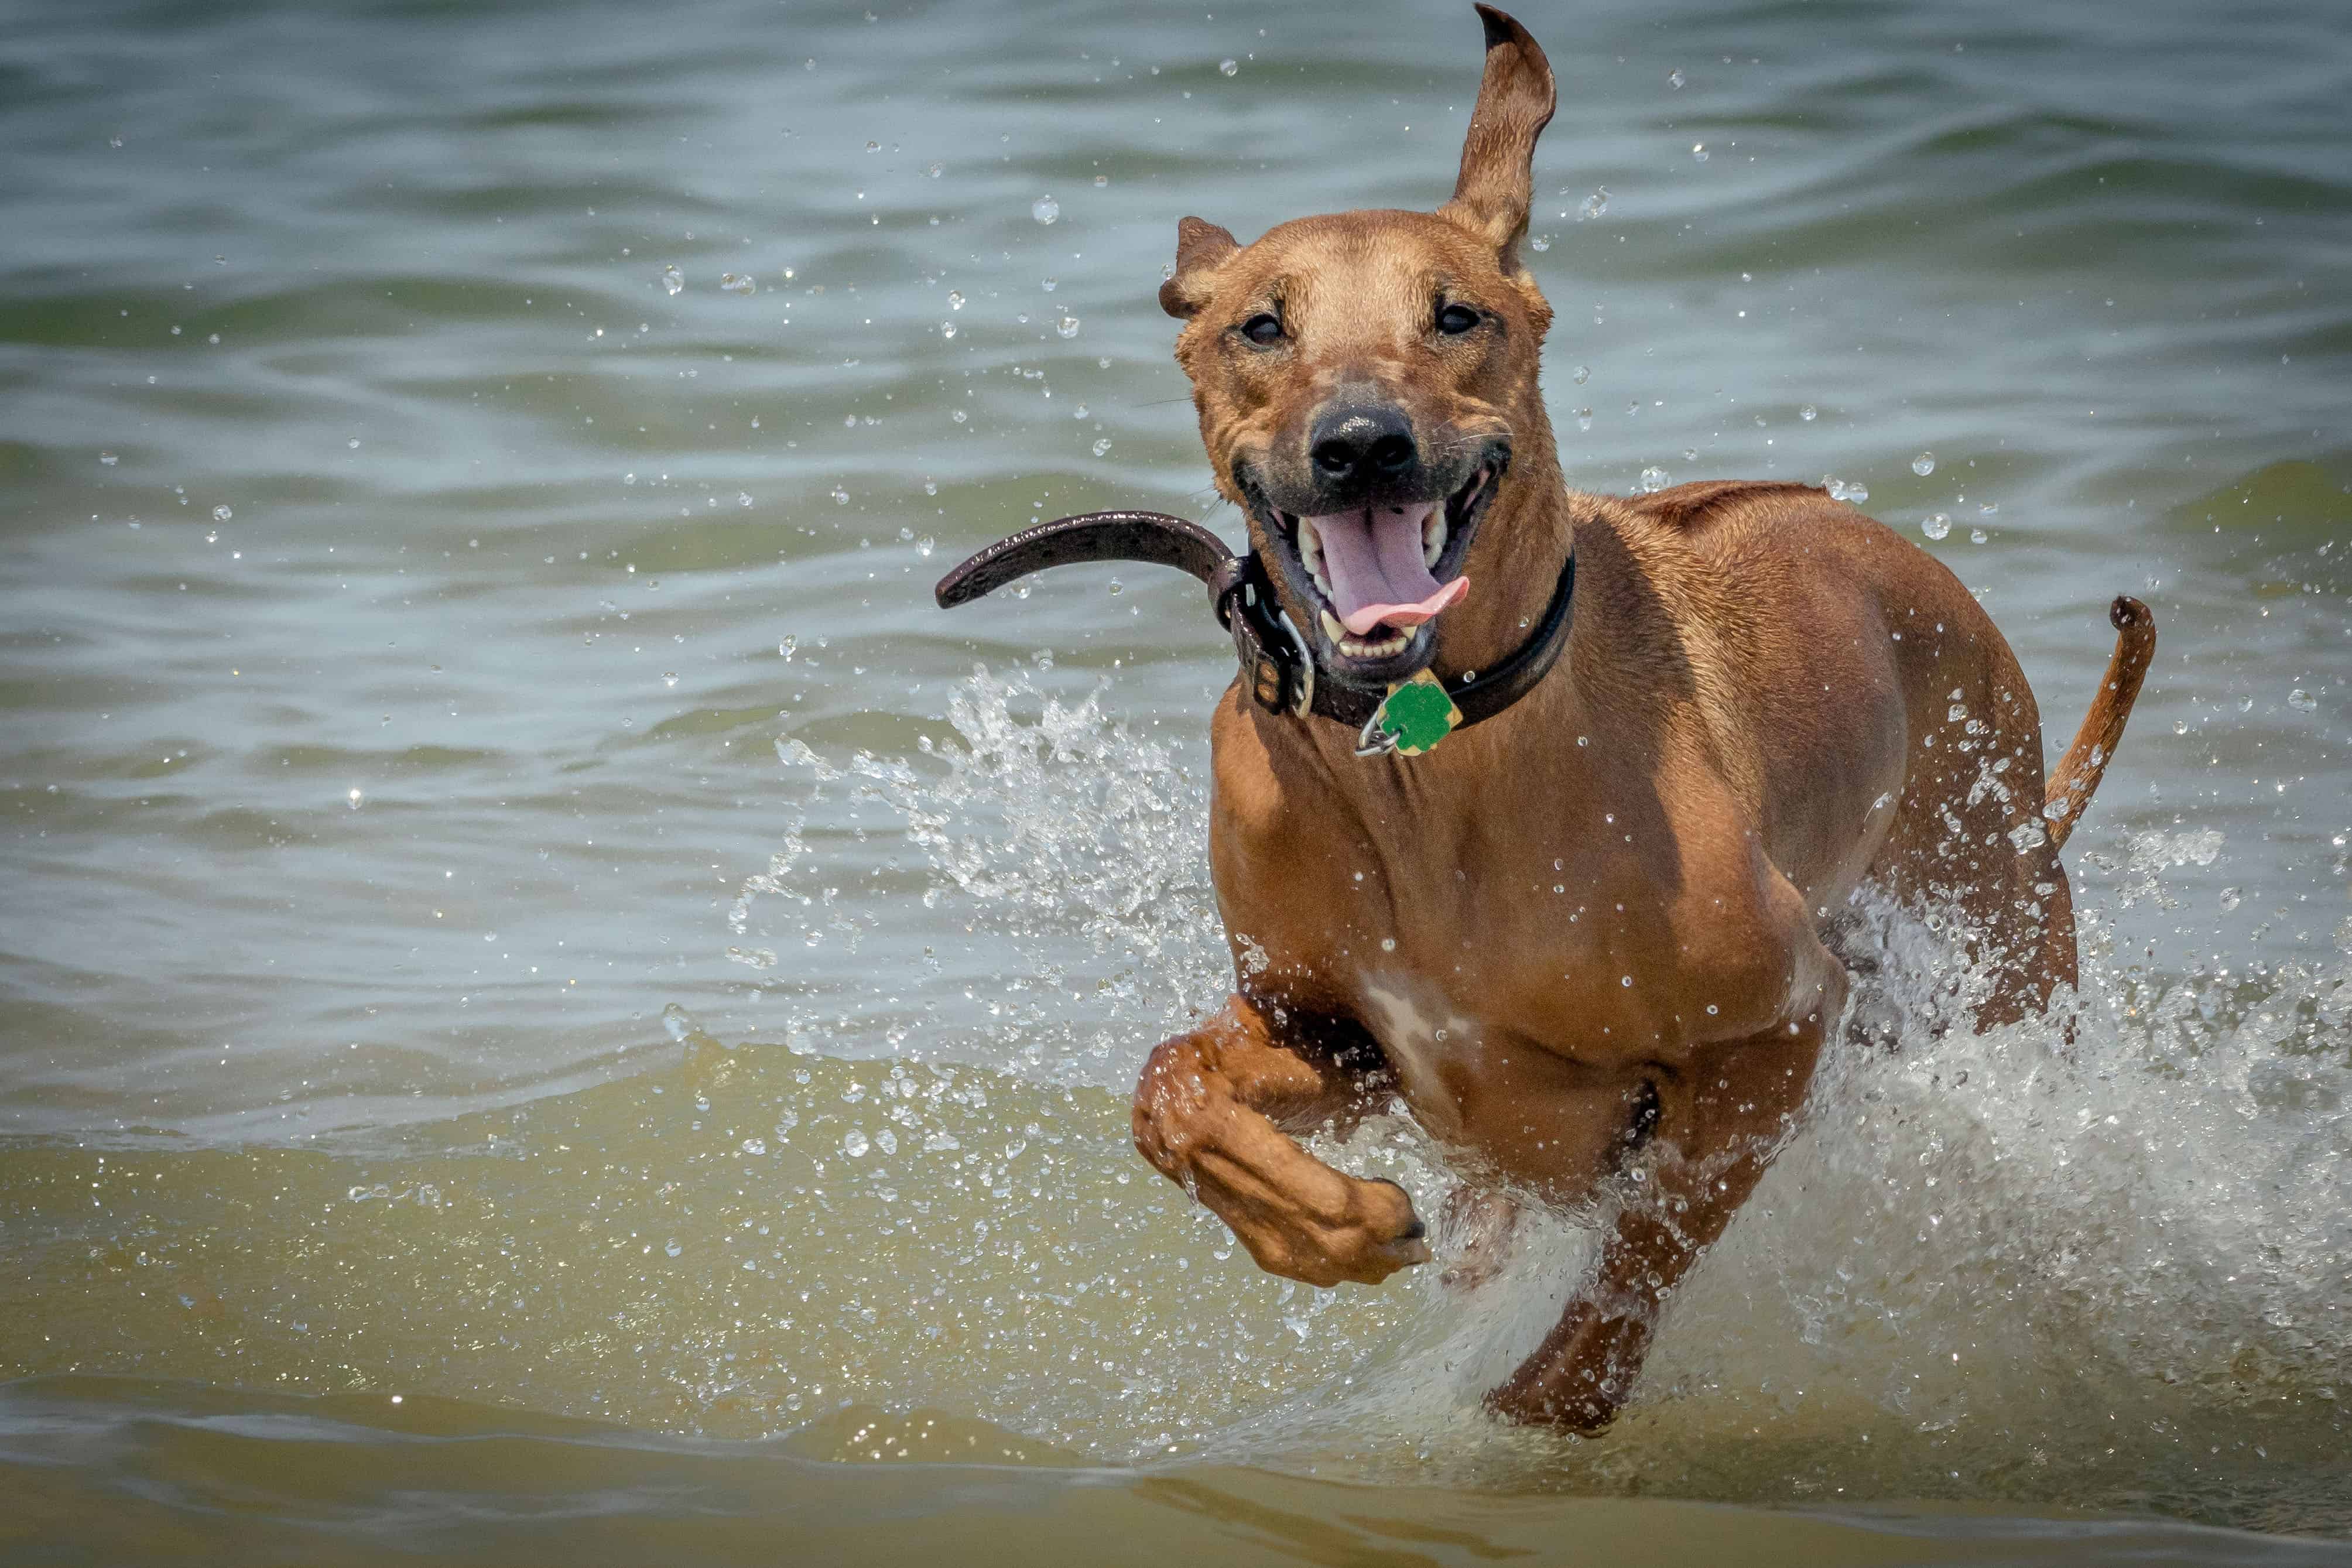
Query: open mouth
pixel 1375 577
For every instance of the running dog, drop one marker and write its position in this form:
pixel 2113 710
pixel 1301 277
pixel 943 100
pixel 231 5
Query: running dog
pixel 1568 888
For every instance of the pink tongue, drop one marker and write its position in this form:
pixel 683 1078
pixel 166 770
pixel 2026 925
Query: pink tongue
pixel 1378 578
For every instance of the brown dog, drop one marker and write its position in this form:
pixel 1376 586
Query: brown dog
pixel 1592 930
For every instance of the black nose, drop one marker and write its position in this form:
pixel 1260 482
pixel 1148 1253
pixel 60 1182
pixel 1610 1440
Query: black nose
pixel 1363 443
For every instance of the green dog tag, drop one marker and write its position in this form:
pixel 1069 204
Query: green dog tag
pixel 1417 713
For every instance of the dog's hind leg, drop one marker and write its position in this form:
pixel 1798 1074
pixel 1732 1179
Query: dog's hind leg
pixel 1209 1115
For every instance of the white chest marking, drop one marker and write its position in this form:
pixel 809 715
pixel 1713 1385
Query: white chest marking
pixel 1416 1043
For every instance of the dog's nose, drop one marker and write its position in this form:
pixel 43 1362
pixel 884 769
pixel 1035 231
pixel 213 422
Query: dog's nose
pixel 1362 442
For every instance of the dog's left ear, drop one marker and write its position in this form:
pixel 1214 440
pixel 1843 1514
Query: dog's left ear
pixel 1516 97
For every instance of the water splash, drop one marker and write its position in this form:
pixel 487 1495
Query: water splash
pixel 2073 1259
pixel 1080 841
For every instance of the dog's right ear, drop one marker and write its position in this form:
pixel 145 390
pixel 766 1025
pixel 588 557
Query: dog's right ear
pixel 1516 97
pixel 1201 247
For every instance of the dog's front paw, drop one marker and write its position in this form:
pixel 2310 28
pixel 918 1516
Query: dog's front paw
pixel 1363 1231
pixel 1579 1379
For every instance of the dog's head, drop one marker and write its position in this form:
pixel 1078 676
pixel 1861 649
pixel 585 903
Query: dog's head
pixel 1361 378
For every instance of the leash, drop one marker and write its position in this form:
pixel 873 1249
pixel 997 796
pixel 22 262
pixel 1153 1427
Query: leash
pixel 1412 717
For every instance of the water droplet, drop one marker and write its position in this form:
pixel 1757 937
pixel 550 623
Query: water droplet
pixel 742 498
pixel 1698 152
pixel 1856 490
pixel 736 282
pixel 1808 412
pixel 1978 536
pixel 2302 702
pixel 1116 587
pixel 356 796
pixel 108 459
pixel 1924 464
pixel 925 545
pixel 1045 209
pixel 936 170
pixel 1835 486
pixel 1388 944
pixel 1049 284
pixel 1627 980
pixel 672 1247
pixel 1584 418
pixel 955 300
pixel 947 329
pixel 1583 373
pixel 222 514
pixel 669 678
pixel 1067 326
pixel 1593 206
pixel 1102 445
pixel 2027 835
pixel 1230 67
pixel 2230 899
pixel 1540 242
pixel 1675 77
pixel 673 280
pixel 854 1144
pixel 1653 478
pixel 1936 527
pixel 2180 726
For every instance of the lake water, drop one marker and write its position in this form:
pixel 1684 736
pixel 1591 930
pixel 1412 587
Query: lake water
pixel 558 1009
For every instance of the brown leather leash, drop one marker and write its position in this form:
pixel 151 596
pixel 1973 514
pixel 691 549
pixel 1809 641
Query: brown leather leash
pixel 1275 663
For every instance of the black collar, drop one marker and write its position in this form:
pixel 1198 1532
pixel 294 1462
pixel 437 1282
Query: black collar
pixel 1280 671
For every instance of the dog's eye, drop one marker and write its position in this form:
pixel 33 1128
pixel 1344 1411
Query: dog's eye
pixel 1456 319
pixel 1263 328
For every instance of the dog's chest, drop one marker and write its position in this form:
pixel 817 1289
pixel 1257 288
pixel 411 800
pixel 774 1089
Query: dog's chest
pixel 1429 1045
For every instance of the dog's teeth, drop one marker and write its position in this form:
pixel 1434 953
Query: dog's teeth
pixel 1357 647
pixel 1310 553
pixel 1433 534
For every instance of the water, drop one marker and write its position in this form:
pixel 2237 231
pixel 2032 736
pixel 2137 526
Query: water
pixel 553 1013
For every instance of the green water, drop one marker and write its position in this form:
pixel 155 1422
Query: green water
pixel 551 1014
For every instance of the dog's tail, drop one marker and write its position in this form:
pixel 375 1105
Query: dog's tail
pixel 2077 772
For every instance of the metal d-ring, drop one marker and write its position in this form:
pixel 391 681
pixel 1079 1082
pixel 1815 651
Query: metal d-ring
pixel 1372 740
pixel 1306 662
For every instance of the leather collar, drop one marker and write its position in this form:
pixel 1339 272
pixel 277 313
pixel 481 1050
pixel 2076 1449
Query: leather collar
pixel 1275 663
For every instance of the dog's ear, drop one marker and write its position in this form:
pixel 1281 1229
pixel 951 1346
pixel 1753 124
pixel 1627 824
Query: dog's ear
pixel 1201 248
pixel 1515 103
